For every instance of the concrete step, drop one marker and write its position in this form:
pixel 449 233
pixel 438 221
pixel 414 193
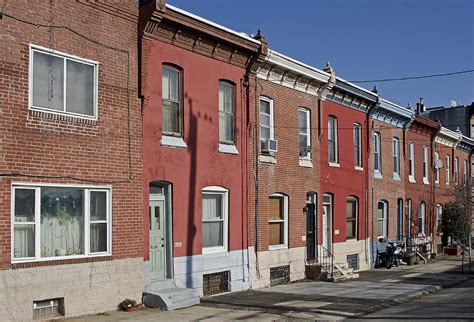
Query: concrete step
pixel 166 296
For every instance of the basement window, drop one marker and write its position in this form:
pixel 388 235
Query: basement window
pixel 48 308
pixel 216 283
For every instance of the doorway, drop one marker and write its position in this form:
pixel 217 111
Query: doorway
pixel 158 247
pixel 311 231
pixel 327 223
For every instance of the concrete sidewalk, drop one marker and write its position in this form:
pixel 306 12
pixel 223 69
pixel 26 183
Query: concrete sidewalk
pixel 373 291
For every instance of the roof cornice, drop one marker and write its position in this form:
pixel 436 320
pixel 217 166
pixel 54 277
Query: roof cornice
pixel 466 144
pixel 447 137
pixel 393 114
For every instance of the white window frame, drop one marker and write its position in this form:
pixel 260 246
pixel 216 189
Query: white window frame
pixel 308 131
pixel 464 175
pixel 334 128
pixel 422 216
pixel 384 219
pixel 35 48
pixel 436 170
pixel 377 155
pixel 356 230
pixel 228 84
pixel 411 162
pixel 87 222
pixel 272 128
pixel 396 158
pixel 357 129
pixel 456 171
pixel 217 190
pixel 439 217
pixel 180 133
pixel 285 222
pixel 425 165
pixel 448 170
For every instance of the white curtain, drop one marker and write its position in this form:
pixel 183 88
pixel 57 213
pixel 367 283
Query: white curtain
pixel 60 238
pixel 212 226
pixel 24 241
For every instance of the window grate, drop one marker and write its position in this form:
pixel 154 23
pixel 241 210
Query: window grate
pixel 353 261
pixel 279 275
pixel 48 308
pixel 216 283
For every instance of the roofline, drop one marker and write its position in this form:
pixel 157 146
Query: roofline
pixel 450 134
pixel 398 109
pixel 356 86
pixel 213 24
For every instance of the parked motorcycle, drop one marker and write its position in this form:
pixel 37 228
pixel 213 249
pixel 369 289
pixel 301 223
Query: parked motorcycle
pixel 394 254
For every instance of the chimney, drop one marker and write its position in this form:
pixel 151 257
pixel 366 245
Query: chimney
pixel 420 107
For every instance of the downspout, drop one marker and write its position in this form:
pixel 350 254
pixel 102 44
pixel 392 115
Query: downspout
pixel 432 184
pixel 367 181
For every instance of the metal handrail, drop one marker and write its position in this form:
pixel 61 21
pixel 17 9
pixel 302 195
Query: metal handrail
pixel 327 261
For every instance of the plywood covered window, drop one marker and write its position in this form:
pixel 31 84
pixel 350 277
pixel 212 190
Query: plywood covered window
pixel 278 221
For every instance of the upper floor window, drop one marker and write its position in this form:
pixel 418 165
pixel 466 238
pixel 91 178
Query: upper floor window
pixel 396 157
pixel 448 170
pixel 352 210
pixel 357 145
pixel 456 171
pixel 439 217
pixel 226 112
pixel 332 140
pixel 60 222
pixel 304 125
pixel 171 101
pixel 266 122
pixel 425 164
pixel 382 218
pixel 215 210
pixel 464 173
pixel 278 221
pixel 60 83
pixel 411 161
pixel 436 169
pixel 421 217
pixel 377 154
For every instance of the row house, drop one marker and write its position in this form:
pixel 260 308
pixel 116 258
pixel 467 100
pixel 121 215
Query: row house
pixel 71 200
pixel 194 83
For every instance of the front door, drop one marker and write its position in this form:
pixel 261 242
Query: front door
pixel 157 240
pixel 325 230
pixel 310 232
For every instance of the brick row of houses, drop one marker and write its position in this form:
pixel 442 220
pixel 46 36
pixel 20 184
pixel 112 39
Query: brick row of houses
pixel 150 154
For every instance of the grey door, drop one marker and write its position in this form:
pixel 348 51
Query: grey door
pixel 157 240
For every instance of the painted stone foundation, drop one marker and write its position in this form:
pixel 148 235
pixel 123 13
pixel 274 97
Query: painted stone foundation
pixel 87 288
pixel 351 247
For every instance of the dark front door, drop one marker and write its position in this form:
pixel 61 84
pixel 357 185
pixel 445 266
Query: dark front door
pixel 310 231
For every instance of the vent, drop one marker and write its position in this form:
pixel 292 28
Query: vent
pixel 216 283
pixel 353 261
pixel 48 308
pixel 279 275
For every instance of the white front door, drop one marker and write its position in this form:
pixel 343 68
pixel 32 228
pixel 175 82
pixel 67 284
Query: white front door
pixel 157 240
pixel 325 229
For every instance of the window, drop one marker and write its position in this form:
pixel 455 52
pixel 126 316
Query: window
pixel 332 140
pixel 464 174
pixel 266 120
pixel 352 209
pixel 448 171
pixel 436 169
pixel 456 171
pixel 171 101
pixel 439 217
pixel 409 218
pixel 215 208
pixel 61 83
pixel 377 156
pixel 411 162
pixel 226 112
pixel 396 157
pixel 382 217
pixel 425 164
pixel 421 217
pixel 357 145
pixel 278 221
pixel 51 222
pixel 304 124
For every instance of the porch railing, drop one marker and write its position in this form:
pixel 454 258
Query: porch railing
pixel 326 260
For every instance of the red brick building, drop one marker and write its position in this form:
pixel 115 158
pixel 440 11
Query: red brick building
pixel 71 203
pixel 194 75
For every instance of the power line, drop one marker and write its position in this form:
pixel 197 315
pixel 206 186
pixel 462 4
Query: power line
pixel 412 77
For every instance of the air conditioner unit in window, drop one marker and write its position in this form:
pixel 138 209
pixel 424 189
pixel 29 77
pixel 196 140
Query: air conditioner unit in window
pixel 269 145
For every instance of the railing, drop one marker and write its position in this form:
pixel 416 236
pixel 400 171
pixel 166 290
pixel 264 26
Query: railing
pixel 327 262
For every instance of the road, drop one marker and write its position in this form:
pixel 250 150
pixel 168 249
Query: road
pixel 455 303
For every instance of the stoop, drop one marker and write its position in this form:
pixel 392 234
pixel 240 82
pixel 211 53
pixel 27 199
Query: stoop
pixel 166 295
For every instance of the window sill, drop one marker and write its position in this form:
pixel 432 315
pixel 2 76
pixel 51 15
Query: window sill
pixel 425 181
pixel 396 177
pixel 172 141
pixel 306 163
pixel 267 159
pixel 212 250
pixel 277 247
pixel 228 148
pixel 60 258
pixel 411 179
pixel 378 175
pixel 358 168
pixel 334 164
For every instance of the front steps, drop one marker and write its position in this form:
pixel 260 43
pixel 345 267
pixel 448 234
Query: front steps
pixel 341 272
pixel 166 295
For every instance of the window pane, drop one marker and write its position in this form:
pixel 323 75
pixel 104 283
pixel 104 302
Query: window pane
pixel 171 117
pixel 24 205
pixel 264 107
pixel 350 229
pixel 303 121
pixel 226 127
pixel 332 151
pixel 276 208
pixel 98 205
pixel 62 222
pixel 264 132
pixel 174 85
pixel 165 84
pixel 79 88
pixel 98 238
pixel 24 241
pixel 212 234
pixel 265 120
pixel 303 144
pixel 276 233
pixel 48 81
pixel 211 206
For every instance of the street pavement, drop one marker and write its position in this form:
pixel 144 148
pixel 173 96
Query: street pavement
pixel 378 290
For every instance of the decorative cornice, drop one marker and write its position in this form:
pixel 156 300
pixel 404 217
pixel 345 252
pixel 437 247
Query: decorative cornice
pixel 447 137
pixel 466 144
pixel 424 126
pixel 391 113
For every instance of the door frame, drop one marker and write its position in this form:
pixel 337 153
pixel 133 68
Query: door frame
pixel 329 223
pixel 168 219
pixel 312 202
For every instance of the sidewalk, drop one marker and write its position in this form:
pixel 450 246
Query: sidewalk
pixel 373 291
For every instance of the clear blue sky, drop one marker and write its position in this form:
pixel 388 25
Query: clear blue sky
pixel 365 39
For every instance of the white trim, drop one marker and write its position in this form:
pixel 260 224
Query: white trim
pixel 396 155
pixel 173 141
pixel 377 174
pixel 272 116
pixel 385 218
pixel 65 57
pixel 267 159
pixel 334 164
pixel 358 168
pixel 225 217
pixel 436 170
pixel 378 154
pixel 308 131
pixel 285 222
pixel 425 164
pixel 336 139
pixel 305 163
pixel 411 179
pixel 228 148
pixel 396 177
pixel 411 157
pixel 448 169
pixel 358 163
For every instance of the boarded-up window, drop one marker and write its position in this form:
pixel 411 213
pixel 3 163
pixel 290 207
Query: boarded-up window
pixel 276 230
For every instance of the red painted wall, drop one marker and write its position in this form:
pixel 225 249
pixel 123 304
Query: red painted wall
pixel 191 169
pixel 343 181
